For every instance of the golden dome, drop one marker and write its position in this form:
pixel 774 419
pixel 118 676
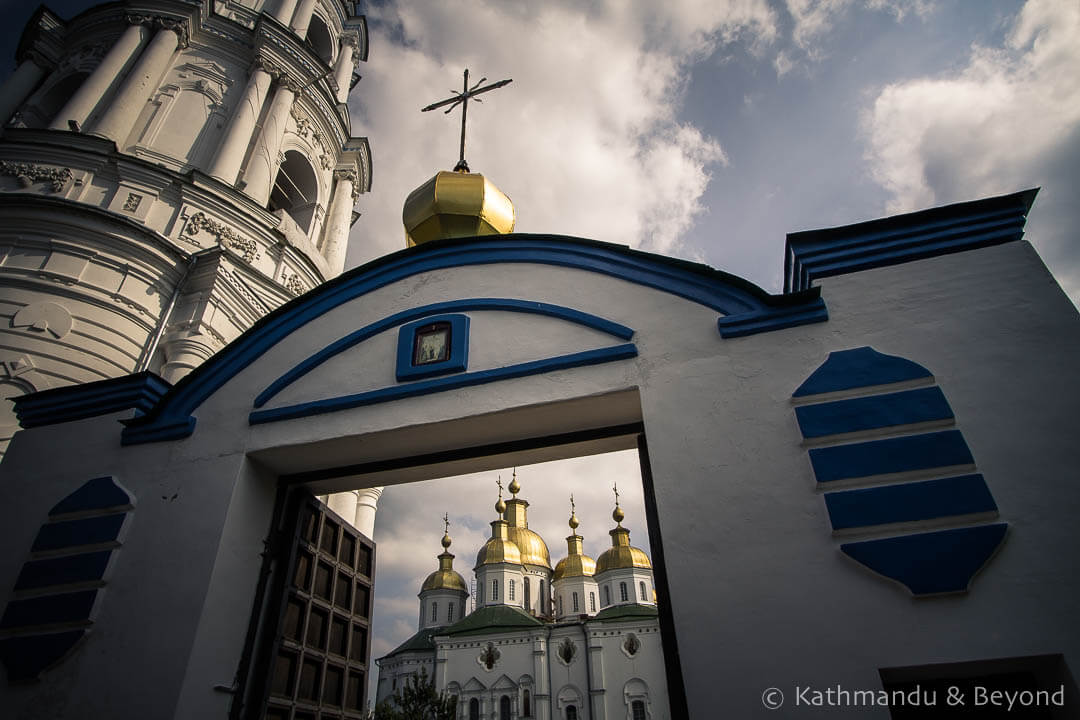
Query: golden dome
pixel 445 578
pixel 456 204
pixel 621 554
pixel 534 550
pixel 576 563
pixel 498 550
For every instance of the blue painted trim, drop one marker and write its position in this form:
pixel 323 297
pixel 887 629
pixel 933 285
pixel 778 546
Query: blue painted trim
pixel 98 494
pixel 858 368
pixel 62 571
pixel 490 304
pixel 48 609
pixel 931 563
pixel 456 361
pixel 141 391
pixel 26 656
pixel 869 413
pixel 424 387
pixel 899 239
pixel 733 326
pixel 893 455
pixel 76 533
pixel 910 502
pixel 714 289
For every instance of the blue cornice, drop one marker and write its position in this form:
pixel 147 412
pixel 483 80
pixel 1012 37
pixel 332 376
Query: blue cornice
pixel 720 291
pixel 140 391
pixel 817 254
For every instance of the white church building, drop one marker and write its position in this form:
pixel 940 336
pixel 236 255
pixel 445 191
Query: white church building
pixel 862 484
pixel 577 640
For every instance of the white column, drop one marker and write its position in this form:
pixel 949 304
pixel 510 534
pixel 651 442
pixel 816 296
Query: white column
pixel 230 155
pixel 18 86
pixel 338 221
pixel 119 117
pixel 284 11
pixel 302 18
pixel 263 165
pixel 93 89
pixel 343 71
pixel 344 504
pixel 366 500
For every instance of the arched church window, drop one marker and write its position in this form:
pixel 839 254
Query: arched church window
pixel 504 707
pixel 43 110
pixel 320 39
pixel 607 595
pixel 526 704
pixel 560 605
pixel 592 602
pixel 622 592
pixel 543 599
pixel 576 609
pixel 641 587
pixel 474 709
pixel 571 712
pixel 511 590
pixel 296 190
pixel 637 710
pixel 450 613
pixel 494 591
pixel 434 612
pixel 528 599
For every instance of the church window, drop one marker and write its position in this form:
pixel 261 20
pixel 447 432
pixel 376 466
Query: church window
pixel 560 605
pixel 434 612
pixel 592 602
pixel 607 595
pixel 296 190
pixel 622 592
pixel 511 590
pixel 504 707
pixel 474 709
pixel 526 703
pixel 637 708
pixel 571 712
pixel 641 587
pixel 450 613
pixel 543 599
pixel 528 599
pixel 494 591
pixel 576 609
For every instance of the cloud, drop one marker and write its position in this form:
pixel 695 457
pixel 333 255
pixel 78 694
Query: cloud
pixel 585 141
pixel 1008 120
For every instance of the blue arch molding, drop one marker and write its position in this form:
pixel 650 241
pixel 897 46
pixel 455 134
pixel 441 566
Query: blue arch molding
pixel 817 254
pixel 720 291
pixel 79 536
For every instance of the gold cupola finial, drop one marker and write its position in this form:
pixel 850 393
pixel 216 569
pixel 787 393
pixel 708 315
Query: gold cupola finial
pixel 617 514
pixel 446 533
pixel 458 203
pixel 573 523
pixel 515 486
pixel 500 506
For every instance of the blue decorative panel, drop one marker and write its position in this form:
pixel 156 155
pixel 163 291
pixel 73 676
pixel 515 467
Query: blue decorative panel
pixel 925 562
pixel 456 350
pixel 909 502
pixel 892 455
pixel 870 413
pixel 858 368
pixel 934 562
pixel 55 595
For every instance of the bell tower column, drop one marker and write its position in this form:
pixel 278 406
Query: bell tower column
pixel 79 106
pixel 18 86
pixel 302 18
pixel 284 12
pixel 264 160
pixel 343 69
pixel 366 500
pixel 117 120
pixel 230 155
pixel 340 219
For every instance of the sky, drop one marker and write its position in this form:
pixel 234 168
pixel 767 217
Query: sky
pixel 706 130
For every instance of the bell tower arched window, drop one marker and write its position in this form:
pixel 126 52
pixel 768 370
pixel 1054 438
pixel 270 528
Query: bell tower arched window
pixel 296 190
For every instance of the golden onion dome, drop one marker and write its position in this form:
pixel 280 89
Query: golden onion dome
pixel 621 554
pixel 534 551
pixel 445 578
pixel 456 204
pixel 498 550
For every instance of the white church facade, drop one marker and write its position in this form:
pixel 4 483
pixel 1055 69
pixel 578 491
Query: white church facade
pixel 577 640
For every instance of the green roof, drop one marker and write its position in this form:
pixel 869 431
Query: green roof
pixel 423 640
pixel 493 618
pixel 625 612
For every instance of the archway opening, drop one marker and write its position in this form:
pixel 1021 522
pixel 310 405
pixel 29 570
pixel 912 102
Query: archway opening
pixel 321 40
pixel 296 190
